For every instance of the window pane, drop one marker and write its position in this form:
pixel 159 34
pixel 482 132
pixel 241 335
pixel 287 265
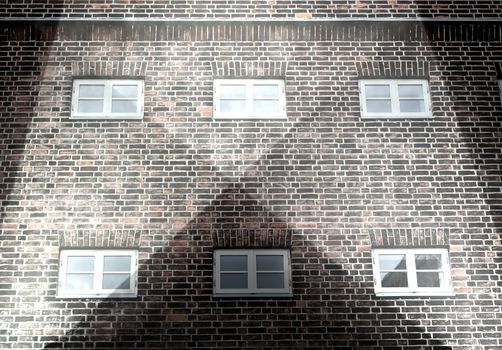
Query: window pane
pixel 233 263
pixel 234 280
pixel 377 91
pixel 80 264
pixel 233 91
pixel 270 280
pixel 90 106
pixel 116 281
pixel 428 261
pixel 394 279
pixel 429 279
pixel 269 263
pixel 392 262
pixel 117 263
pixel 124 106
pixel 410 91
pixel 232 106
pixel 125 91
pixel 266 91
pixel 266 106
pixel 412 106
pixel 91 91
pixel 378 106
pixel 79 281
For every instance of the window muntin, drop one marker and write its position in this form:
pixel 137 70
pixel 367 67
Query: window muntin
pixel 411 272
pixel 252 272
pixel 107 99
pixel 397 98
pixel 97 273
pixel 249 98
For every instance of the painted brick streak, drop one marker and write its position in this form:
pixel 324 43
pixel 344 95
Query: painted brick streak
pixel 251 8
pixel 178 184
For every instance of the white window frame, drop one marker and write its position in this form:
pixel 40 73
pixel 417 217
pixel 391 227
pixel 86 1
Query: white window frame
pixel 413 289
pixel 107 99
pixel 98 291
pixel 252 290
pixel 249 113
pixel 394 97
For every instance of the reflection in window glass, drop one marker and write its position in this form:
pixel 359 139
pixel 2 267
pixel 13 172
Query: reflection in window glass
pixel 377 91
pixel 411 271
pixel 234 262
pixel 270 280
pixel 234 280
pixel 125 91
pixel 116 281
pixel 92 91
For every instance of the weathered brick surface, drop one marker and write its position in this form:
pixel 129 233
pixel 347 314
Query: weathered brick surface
pixel 252 9
pixel 178 184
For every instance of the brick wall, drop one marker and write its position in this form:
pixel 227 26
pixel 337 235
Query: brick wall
pixel 178 184
pixel 251 9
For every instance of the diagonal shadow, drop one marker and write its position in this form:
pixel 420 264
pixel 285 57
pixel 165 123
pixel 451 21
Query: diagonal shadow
pixel 175 308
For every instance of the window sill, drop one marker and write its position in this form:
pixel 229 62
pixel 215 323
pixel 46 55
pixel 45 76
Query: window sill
pixel 76 117
pixel 97 296
pixel 254 295
pixel 395 117
pixel 448 293
pixel 250 118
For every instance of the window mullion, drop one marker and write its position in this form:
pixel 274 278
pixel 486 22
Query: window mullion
pixel 249 98
pixel 98 271
pixel 252 272
pixel 412 271
pixel 394 98
pixel 107 104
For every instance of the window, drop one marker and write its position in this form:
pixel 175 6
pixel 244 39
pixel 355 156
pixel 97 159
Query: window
pixel 97 273
pixel 395 99
pixel 107 99
pixel 258 272
pixel 411 272
pixel 249 98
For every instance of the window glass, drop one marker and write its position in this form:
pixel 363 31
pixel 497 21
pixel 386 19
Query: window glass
pixel 233 92
pixel 379 106
pixel 232 106
pixel 234 262
pixel 270 280
pixel 124 106
pixel 81 281
pixel 377 91
pixel 97 273
pixel 90 106
pixel 265 91
pixel 392 262
pixel 429 279
pixel 80 264
pixel 249 98
pixel 252 272
pixel 410 91
pixel 117 263
pixel 125 91
pixel 394 98
pixel 116 281
pixel 92 91
pixel 266 106
pixel 269 263
pixel 107 99
pixel 412 106
pixel 234 280
pixel 410 271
